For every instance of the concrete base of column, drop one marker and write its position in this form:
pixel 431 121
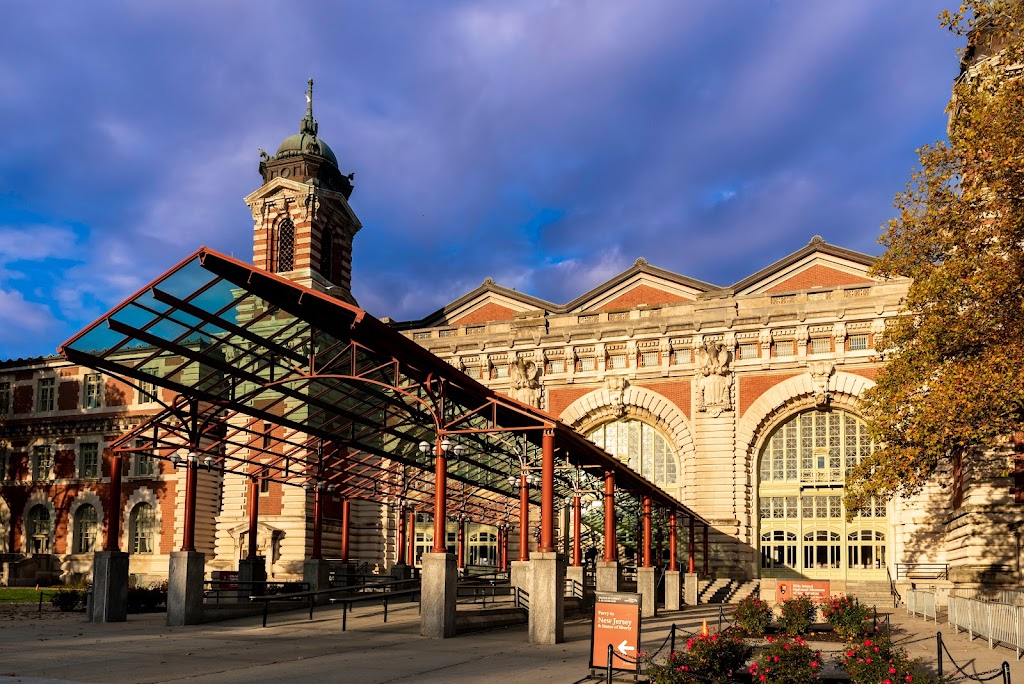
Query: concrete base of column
pixel 249 571
pixel 439 582
pixel 608 576
pixel 519 575
pixel 672 590
pixel 401 571
pixel 317 574
pixel 547 598
pixel 690 588
pixel 646 586
pixel 109 587
pixel 342 571
pixel 185 588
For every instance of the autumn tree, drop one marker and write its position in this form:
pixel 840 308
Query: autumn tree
pixel 954 379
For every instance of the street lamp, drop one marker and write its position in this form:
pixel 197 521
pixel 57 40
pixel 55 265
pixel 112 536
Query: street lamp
pixel 446 446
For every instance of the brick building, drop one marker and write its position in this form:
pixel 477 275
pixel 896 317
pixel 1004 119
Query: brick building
pixel 741 401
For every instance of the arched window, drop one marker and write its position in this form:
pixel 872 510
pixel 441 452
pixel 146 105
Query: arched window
pixel 639 445
pixel 39 529
pixel 778 549
pixel 285 246
pixel 483 548
pixel 866 549
pixel 142 529
pixel 85 529
pixel 327 254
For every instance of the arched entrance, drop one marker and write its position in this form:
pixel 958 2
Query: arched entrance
pixel 803 527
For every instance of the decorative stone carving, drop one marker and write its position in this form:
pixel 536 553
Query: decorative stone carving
pixel 839 333
pixel 525 381
pixel 714 379
pixel 820 372
pixel 616 386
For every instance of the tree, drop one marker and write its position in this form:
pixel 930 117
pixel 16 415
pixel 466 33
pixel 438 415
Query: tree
pixel 954 379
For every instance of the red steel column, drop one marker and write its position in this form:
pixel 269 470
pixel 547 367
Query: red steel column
pixel 611 544
pixel 647 532
pixel 440 499
pixel 114 503
pixel 672 541
pixel 254 514
pixel 461 545
pixel 547 492
pixel 691 564
pixel 577 532
pixel 524 517
pixel 401 536
pixel 318 521
pixel 188 542
pixel 502 548
pixel 706 554
pixel 346 518
pixel 412 536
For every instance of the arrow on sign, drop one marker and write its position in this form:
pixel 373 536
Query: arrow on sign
pixel 625 648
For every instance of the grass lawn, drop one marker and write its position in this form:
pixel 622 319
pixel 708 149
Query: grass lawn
pixel 23 594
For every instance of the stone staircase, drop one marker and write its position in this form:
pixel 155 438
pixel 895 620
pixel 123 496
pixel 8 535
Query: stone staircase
pixel 726 590
pixel 871 593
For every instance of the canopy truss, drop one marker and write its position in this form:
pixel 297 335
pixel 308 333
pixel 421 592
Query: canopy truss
pixel 273 380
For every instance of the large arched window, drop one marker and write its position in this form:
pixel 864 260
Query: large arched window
pixel 85 529
pixel 803 469
pixel 39 529
pixel 640 446
pixel 285 246
pixel 142 529
pixel 483 548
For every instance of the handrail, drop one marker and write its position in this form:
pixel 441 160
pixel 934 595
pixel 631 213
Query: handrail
pixel 522 598
pixel 935 571
pixel 573 588
pixel 393 585
pixel 896 598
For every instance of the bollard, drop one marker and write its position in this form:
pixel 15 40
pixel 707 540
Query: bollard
pixel 938 647
pixel 721 611
pixel 610 652
pixel 672 638
pixel 1006 672
pixel 40 602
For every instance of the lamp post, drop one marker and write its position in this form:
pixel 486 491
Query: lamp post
pixel 441 449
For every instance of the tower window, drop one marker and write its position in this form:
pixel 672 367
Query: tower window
pixel 327 255
pixel 286 246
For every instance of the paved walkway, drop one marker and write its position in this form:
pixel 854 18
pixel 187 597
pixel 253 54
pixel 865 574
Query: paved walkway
pixel 61 647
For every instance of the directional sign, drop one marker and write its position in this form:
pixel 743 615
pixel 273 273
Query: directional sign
pixel 616 624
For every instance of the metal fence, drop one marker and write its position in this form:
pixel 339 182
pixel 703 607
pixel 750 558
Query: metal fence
pixel 998 622
pixel 1010 596
pixel 922 603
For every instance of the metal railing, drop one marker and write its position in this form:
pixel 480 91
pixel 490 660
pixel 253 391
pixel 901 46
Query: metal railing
pixel 999 622
pixel 573 589
pixel 522 598
pixel 1011 596
pixel 238 590
pixel 896 598
pixel 922 603
pixel 356 592
pixel 935 571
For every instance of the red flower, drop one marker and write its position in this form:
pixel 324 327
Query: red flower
pixel 814 664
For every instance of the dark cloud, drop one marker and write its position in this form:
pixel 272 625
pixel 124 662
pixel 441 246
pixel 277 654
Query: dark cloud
pixel 545 144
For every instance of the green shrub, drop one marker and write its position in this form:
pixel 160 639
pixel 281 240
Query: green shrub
pixel 753 616
pixel 707 659
pixel 147 599
pixel 67 600
pixel 848 618
pixel 786 661
pixel 797 615
pixel 879 661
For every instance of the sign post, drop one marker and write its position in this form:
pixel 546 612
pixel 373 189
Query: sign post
pixel 616 625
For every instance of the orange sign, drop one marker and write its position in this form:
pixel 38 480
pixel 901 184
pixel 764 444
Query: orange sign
pixel 616 624
pixel 816 590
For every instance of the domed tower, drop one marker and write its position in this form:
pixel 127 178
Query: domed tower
pixel 304 225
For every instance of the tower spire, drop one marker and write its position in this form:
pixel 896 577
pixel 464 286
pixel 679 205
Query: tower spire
pixel 309 125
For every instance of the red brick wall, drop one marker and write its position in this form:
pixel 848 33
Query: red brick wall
pixel 753 387
pixel 559 399
pixel 819 276
pixel 869 373
pixel 488 312
pixel 640 295
pixel 67 395
pixel 676 391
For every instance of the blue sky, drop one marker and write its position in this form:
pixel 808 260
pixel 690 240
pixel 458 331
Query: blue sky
pixel 544 143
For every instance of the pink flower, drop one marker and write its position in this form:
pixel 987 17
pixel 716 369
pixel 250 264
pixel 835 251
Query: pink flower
pixel 892 670
pixel 814 664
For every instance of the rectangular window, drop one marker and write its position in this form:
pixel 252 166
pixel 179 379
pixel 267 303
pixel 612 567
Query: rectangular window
pixel 648 359
pixel 265 481
pixel 682 356
pixel 500 370
pixel 473 372
pixel 42 461
pixel 749 350
pixel 45 391
pixel 587 363
pixel 784 348
pixel 820 345
pixel 5 398
pixel 93 388
pixel 617 361
pixel 857 342
pixel 145 464
pixel 556 366
pixel 147 390
pixel 89 460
